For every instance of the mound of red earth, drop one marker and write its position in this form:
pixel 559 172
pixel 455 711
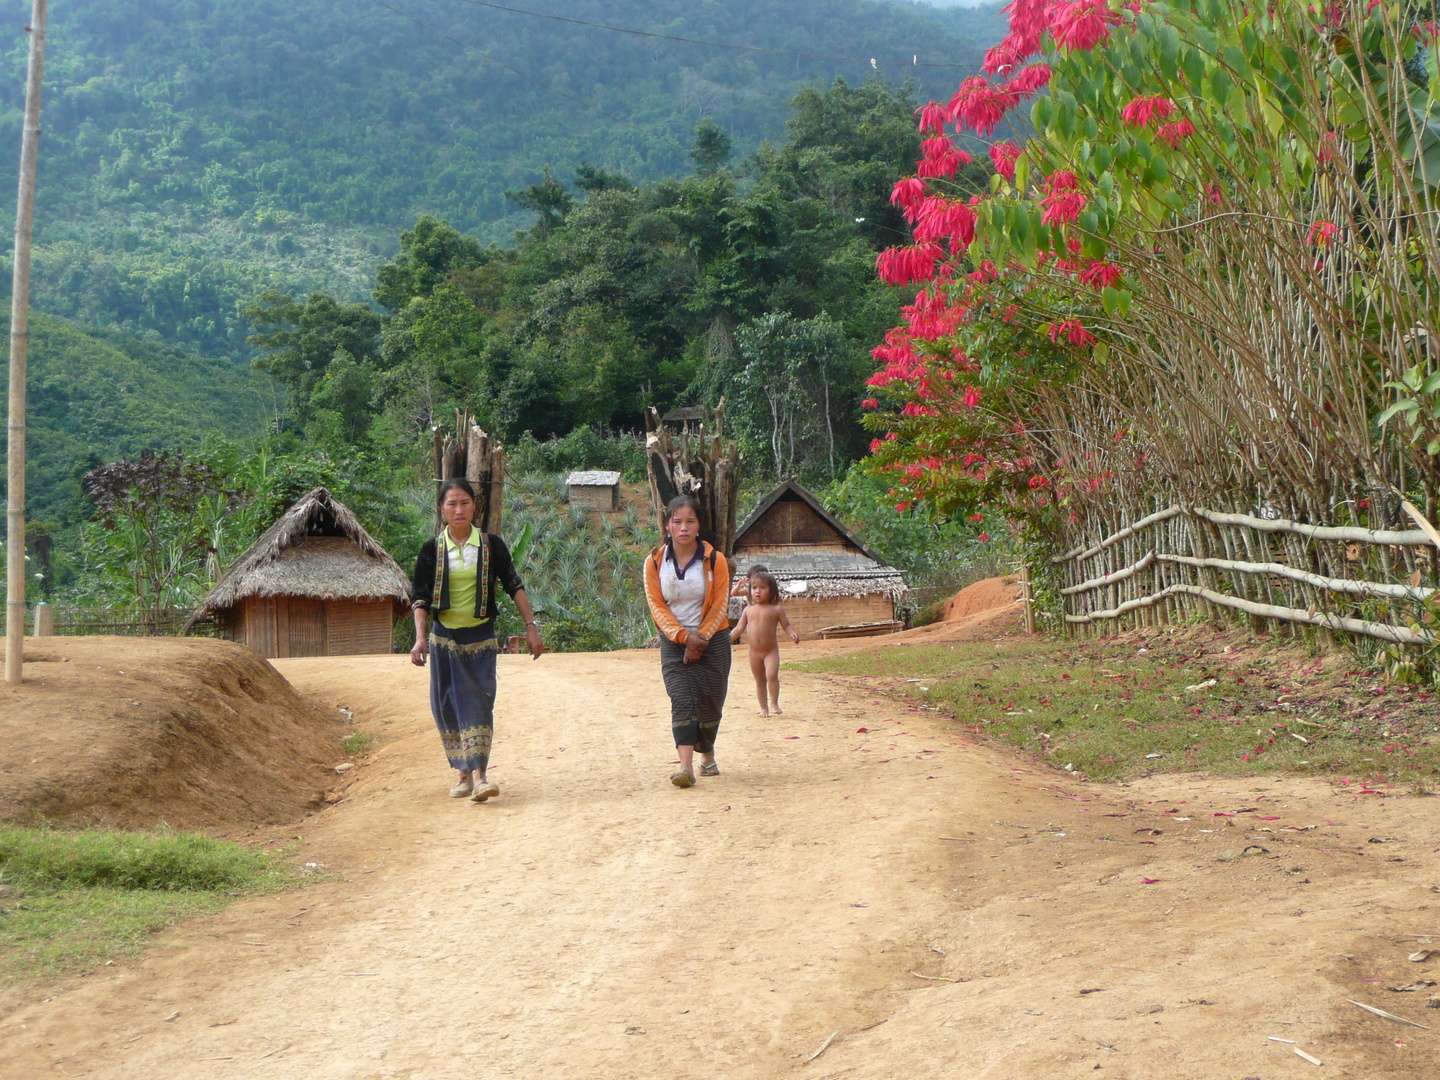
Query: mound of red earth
pixel 986 595
pixel 130 732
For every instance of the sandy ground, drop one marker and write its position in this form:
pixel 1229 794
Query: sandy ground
pixel 946 909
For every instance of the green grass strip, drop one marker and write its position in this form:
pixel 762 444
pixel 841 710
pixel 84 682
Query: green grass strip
pixel 72 900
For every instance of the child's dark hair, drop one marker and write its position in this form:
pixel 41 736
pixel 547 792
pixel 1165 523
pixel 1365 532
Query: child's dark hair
pixel 768 579
pixel 679 502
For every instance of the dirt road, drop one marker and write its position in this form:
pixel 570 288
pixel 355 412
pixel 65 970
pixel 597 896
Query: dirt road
pixel 947 911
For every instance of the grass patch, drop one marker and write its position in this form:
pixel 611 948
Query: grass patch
pixel 70 901
pixel 1113 712
pixel 357 743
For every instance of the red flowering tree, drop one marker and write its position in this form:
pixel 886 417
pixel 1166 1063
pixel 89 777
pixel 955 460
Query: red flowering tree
pixel 1208 272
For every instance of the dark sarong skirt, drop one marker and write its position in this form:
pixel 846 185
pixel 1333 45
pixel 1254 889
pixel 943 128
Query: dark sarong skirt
pixel 697 691
pixel 462 692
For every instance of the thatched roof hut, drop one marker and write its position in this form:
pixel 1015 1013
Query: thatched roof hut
pixel 314 584
pixel 846 587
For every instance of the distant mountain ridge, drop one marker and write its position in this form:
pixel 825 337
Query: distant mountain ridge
pixel 198 151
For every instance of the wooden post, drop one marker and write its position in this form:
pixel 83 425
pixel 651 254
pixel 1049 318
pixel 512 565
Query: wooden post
pixel 496 513
pixel 19 340
pixel 1027 597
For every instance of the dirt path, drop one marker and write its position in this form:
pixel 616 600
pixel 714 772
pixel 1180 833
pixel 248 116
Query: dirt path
pixel 597 922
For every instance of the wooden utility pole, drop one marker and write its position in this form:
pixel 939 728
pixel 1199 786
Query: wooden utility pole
pixel 19 340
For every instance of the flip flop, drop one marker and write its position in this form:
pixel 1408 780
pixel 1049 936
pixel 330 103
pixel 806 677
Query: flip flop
pixel 713 769
pixel 682 779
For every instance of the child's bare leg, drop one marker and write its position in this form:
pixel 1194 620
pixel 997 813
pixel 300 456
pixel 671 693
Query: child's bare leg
pixel 757 668
pixel 772 677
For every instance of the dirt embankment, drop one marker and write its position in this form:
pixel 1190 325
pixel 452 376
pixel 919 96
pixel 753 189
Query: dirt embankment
pixel 982 597
pixel 130 732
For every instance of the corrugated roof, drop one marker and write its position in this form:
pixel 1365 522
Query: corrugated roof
pixel 828 572
pixel 592 478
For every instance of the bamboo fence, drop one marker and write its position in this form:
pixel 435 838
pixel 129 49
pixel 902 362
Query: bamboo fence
pixel 1182 563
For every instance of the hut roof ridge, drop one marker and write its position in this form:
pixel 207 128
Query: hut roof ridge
pixel 808 497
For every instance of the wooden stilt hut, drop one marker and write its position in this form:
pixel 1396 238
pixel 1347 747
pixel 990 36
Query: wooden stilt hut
pixel 832 584
pixel 314 584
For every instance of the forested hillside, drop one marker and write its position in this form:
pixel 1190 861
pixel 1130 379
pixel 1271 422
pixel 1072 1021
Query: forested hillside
pixel 398 209
pixel 99 396
pixel 198 151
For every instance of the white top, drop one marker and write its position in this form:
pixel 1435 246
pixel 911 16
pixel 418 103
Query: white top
pixel 685 596
pixel 467 555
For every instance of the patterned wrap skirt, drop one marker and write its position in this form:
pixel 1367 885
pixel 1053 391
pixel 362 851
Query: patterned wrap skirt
pixel 462 692
pixel 697 691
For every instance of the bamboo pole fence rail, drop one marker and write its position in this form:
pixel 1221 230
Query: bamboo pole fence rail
pixel 1182 563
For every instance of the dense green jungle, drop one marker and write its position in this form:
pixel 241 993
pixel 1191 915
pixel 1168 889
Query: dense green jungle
pixel 280 241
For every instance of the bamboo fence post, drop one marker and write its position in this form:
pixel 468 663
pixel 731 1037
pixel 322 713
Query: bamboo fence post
pixel 1027 595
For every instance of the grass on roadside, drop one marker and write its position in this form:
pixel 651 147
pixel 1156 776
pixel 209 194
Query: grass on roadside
pixel 1117 709
pixel 357 743
pixel 70 901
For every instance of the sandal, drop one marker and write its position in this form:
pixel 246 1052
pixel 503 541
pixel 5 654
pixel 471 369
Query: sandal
pixel 713 769
pixel 682 779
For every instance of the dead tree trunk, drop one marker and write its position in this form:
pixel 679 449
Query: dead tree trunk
pixel 698 463
pixel 471 454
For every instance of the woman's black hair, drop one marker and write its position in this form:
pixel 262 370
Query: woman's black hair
pixel 453 484
pixel 769 580
pixel 678 503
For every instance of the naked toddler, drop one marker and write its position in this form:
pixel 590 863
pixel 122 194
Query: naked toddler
pixel 762 619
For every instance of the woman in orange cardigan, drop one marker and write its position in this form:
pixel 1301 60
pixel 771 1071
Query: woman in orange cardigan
pixel 687 583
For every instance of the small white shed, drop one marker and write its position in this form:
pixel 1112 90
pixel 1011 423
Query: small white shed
pixel 594 490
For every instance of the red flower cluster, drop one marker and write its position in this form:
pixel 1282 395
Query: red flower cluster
pixel 1030 80
pixel 1100 274
pixel 940 219
pixel 1143 111
pixel 942 158
pixel 1064 202
pixel 1322 234
pixel 980 105
pixel 908 265
pixel 1003 156
pixel 932 119
pixel 931 317
pixel 1073 331
pixel 1081 24
pixel 908 194
pixel 1010 53
pixel 1174 134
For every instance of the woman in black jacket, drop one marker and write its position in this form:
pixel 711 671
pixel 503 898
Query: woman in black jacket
pixel 456 575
